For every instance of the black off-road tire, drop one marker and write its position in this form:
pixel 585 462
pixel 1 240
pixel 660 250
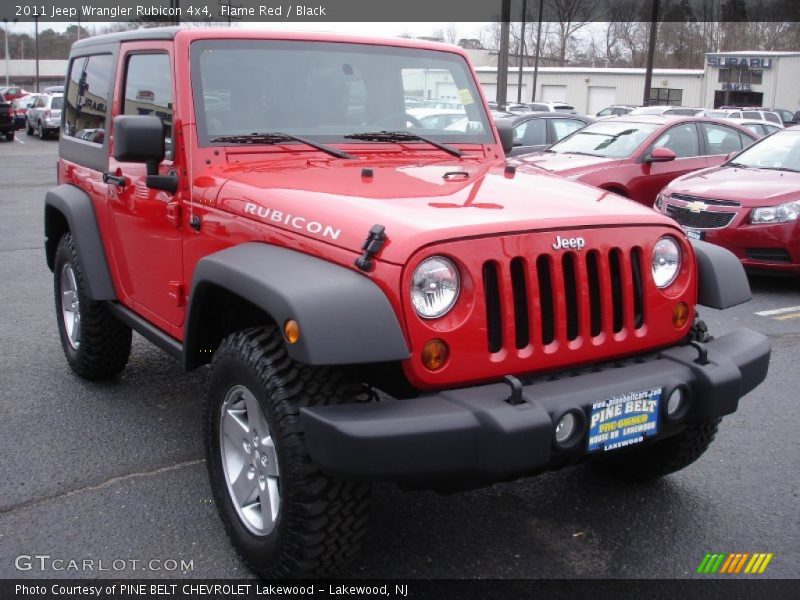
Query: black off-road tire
pixel 663 457
pixel 105 342
pixel 321 520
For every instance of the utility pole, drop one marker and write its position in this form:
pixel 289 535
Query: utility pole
pixel 36 43
pixel 521 50
pixel 8 57
pixel 536 57
pixel 651 49
pixel 502 59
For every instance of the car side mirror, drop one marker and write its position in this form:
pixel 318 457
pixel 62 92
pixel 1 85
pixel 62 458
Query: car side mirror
pixel 506 132
pixel 661 155
pixel 140 139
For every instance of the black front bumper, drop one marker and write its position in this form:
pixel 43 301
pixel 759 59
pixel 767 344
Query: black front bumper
pixel 476 434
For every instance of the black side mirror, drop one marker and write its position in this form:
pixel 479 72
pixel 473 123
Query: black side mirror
pixel 140 139
pixel 506 132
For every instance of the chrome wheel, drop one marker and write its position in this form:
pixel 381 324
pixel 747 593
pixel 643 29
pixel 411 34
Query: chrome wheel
pixel 249 460
pixel 70 306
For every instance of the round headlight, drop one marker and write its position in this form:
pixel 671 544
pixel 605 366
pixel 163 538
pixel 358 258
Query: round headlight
pixel 434 287
pixel 666 261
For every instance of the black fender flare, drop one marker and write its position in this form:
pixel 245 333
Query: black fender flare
pixel 721 278
pixel 71 204
pixel 344 317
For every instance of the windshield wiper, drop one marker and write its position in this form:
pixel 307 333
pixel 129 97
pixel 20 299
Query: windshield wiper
pixel 276 137
pixel 780 169
pixel 737 164
pixel 581 153
pixel 403 136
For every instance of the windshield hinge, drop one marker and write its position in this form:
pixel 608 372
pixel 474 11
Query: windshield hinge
pixel 371 246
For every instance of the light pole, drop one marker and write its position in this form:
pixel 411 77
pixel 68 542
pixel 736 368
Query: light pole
pixel 8 58
pixel 36 40
pixel 521 50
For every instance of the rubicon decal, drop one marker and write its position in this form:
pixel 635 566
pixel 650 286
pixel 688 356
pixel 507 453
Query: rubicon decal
pixel 734 563
pixel 295 221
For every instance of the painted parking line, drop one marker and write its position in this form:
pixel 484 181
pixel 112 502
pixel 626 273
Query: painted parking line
pixel 787 316
pixel 778 311
pixel 19 140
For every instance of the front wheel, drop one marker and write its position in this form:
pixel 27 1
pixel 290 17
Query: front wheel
pixel 663 457
pixel 284 516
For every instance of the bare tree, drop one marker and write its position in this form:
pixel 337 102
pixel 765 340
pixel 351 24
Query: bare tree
pixel 570 16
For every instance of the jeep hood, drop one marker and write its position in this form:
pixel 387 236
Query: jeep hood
pixel 419 204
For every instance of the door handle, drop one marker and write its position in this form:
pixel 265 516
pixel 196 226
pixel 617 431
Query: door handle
pixel 117 180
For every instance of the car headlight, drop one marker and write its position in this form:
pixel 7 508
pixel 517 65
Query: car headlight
pixel 783 213
pixel 659 200
pixel 434 287
pixel 666 261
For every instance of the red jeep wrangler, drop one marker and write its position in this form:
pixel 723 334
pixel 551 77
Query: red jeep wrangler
pixel 372 300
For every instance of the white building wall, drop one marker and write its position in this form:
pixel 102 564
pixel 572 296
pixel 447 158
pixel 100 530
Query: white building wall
pixel 628 84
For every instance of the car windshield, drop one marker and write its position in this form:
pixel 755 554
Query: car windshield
pixel 780 151
pixel 326 91
pixel 613 139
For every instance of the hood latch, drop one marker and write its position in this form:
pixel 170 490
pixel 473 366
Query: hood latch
pixel 371 246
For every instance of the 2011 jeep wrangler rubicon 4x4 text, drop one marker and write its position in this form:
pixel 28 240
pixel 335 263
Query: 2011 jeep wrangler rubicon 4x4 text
pixel 372 300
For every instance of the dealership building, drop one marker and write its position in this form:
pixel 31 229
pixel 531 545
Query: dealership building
pixel 746 78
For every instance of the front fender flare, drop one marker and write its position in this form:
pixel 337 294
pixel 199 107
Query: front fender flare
pixel 344 317
pixel 721 279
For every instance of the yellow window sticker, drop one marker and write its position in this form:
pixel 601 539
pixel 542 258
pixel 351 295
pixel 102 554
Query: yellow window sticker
pixel 465 96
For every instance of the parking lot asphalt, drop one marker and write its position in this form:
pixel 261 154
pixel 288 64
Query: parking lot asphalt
pixel 115 470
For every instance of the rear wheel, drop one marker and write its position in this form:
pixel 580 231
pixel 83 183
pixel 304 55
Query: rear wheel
pixel 42 131
pixel 284 516
pixel 97 344
pixel 663 457
pixel 28 127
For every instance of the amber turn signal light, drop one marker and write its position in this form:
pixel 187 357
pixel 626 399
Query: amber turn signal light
pixel 291 331
pixel 680 314
pixel 434 355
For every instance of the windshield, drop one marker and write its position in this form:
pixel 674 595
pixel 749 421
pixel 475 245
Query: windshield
pixel 780 151
pixel 326 91
pixel 613 139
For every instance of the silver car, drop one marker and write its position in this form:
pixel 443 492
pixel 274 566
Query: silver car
pixel 44 116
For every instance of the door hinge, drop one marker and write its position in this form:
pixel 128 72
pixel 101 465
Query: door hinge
pixel 174 213
pixel 176 292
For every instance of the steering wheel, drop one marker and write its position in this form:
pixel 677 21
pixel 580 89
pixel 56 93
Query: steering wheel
pixel 403 115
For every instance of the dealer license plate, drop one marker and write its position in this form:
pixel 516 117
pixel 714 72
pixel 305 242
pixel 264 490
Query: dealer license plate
pixel 623 420
pixel 694 234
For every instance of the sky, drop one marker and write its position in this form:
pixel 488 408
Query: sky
pixel 464 30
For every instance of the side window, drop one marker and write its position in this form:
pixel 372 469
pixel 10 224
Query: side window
pixel 563 127
pixel 531 133
pixel 752 114
pixel 148 91
pixel 771 129
pixel 87 96
pixel 681 139
pixel 771 116
pixel 606 112
pixel 755 128
pixel 721 139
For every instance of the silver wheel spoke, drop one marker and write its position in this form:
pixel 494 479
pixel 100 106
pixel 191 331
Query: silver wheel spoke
pixel 268 450
pixel 234 427
pixel 270 500
pixel 244 486
pixel 70 306
pixel 255 416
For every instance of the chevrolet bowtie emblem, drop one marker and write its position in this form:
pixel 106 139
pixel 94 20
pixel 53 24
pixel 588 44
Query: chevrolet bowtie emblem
pixel 697 206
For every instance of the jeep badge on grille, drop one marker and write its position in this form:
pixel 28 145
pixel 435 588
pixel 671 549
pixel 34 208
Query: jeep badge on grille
pixel 562 243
